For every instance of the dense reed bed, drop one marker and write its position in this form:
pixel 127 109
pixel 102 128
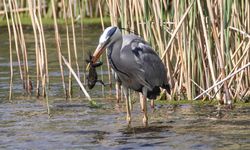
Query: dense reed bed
pixel 204 44
pixel 201 43
pixel 67 10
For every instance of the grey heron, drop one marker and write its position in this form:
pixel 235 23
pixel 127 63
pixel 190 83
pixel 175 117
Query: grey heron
pixel 136 64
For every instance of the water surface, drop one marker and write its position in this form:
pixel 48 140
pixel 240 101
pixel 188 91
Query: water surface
pixel 75 124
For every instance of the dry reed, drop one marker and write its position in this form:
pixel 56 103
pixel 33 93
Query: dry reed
pixel 10 49
pixel 202 43
pixel 195 42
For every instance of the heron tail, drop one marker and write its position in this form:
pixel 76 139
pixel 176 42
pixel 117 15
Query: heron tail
pixel 167 87
pixel 153 93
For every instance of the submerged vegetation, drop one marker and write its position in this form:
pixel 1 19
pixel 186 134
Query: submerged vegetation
pixel 200 42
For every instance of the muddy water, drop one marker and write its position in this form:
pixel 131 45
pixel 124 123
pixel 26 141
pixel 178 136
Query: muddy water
pixel 75 124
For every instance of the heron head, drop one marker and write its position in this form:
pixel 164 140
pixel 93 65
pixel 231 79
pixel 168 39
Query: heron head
pixel 109 35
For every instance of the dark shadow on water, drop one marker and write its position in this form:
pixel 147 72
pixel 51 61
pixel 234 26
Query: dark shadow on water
pixel 70 105
pixel 234 123
pixel 143 137
pixel 142 130
pixel 86 132
pixel 96 135
pixel 73 106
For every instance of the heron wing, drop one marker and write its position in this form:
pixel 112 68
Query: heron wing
pixel 143 63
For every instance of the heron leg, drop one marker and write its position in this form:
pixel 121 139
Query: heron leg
pixel 144 107
pixel 127 106
pixel 152 104
pixel 118 91
pixel 141 101
pixel 130 101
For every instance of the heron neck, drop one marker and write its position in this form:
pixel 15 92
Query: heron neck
pixel 114 51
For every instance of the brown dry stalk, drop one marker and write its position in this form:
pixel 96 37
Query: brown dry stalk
pixel 58 46
pixel 76 77
pixel 223 80
pixel 10 50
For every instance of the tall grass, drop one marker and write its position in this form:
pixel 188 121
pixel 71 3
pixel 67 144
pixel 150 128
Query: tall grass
pixel 69 11
pixel 20 47
pixel 90 8
pixel 200 42
pixel 10 50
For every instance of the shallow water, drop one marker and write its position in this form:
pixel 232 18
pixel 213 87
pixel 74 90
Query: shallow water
pixel 75 124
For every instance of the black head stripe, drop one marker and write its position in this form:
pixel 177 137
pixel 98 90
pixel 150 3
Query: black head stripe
pixel 111 31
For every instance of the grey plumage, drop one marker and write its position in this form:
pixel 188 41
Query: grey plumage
pixel 136 64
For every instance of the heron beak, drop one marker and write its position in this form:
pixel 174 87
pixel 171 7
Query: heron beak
pixel 98 52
